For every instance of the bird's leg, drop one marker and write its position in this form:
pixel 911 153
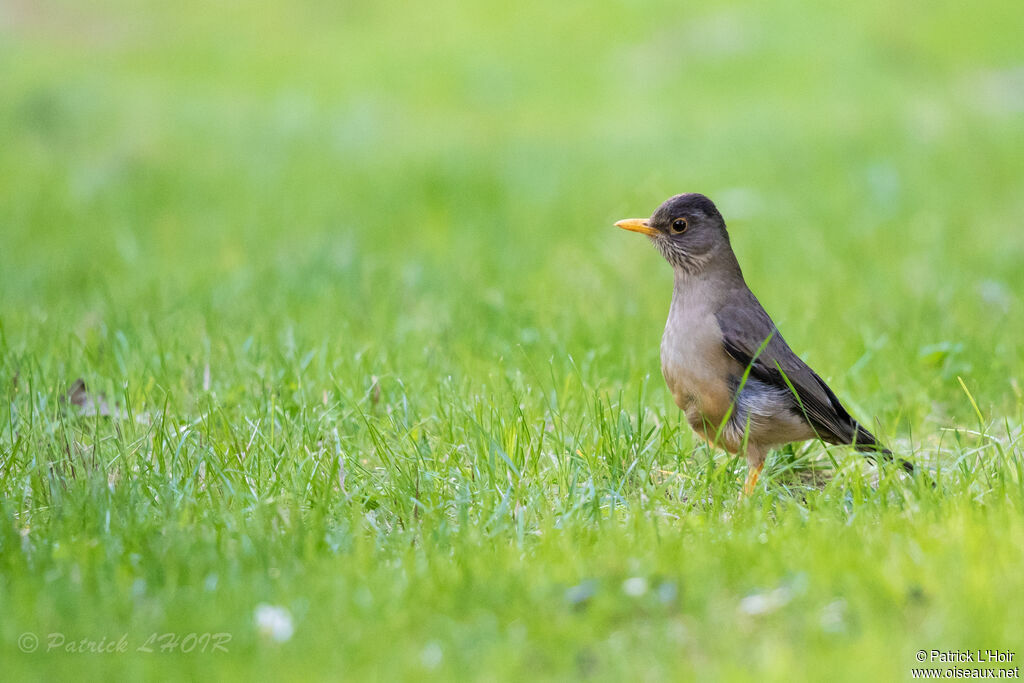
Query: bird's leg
pixel 755 463
pixel 753 474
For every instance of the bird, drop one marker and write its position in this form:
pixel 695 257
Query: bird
pixel 729 370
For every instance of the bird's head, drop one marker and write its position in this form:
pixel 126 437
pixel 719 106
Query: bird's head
pixel 687 229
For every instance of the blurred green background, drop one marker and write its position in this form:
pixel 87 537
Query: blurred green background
pixel 387 227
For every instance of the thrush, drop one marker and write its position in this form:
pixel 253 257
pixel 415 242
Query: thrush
pixel 728 368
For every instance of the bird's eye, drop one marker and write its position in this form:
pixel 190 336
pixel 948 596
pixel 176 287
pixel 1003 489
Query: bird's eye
pixel 679 225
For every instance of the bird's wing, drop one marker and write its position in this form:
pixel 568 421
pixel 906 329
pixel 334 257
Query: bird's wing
pixel 750 337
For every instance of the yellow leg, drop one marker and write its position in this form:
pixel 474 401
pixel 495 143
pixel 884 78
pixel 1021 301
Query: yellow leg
pixel 753 474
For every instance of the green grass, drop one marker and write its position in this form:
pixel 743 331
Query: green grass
pixel 347 280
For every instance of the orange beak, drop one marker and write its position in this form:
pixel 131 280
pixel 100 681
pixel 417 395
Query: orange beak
pixel 638 225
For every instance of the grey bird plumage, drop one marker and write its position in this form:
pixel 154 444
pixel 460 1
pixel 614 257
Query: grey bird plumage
pixel 728 368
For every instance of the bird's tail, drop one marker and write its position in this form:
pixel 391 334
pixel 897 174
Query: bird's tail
pixel 865 442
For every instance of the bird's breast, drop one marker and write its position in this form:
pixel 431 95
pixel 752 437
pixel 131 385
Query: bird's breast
pixel 695 365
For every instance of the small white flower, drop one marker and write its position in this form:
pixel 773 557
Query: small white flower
pixel 833 616
pixel 634 586
pixel 431 655
pixel 274 622
pixel 764 603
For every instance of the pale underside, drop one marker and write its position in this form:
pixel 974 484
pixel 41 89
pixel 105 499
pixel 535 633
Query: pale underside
pixel 741 414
